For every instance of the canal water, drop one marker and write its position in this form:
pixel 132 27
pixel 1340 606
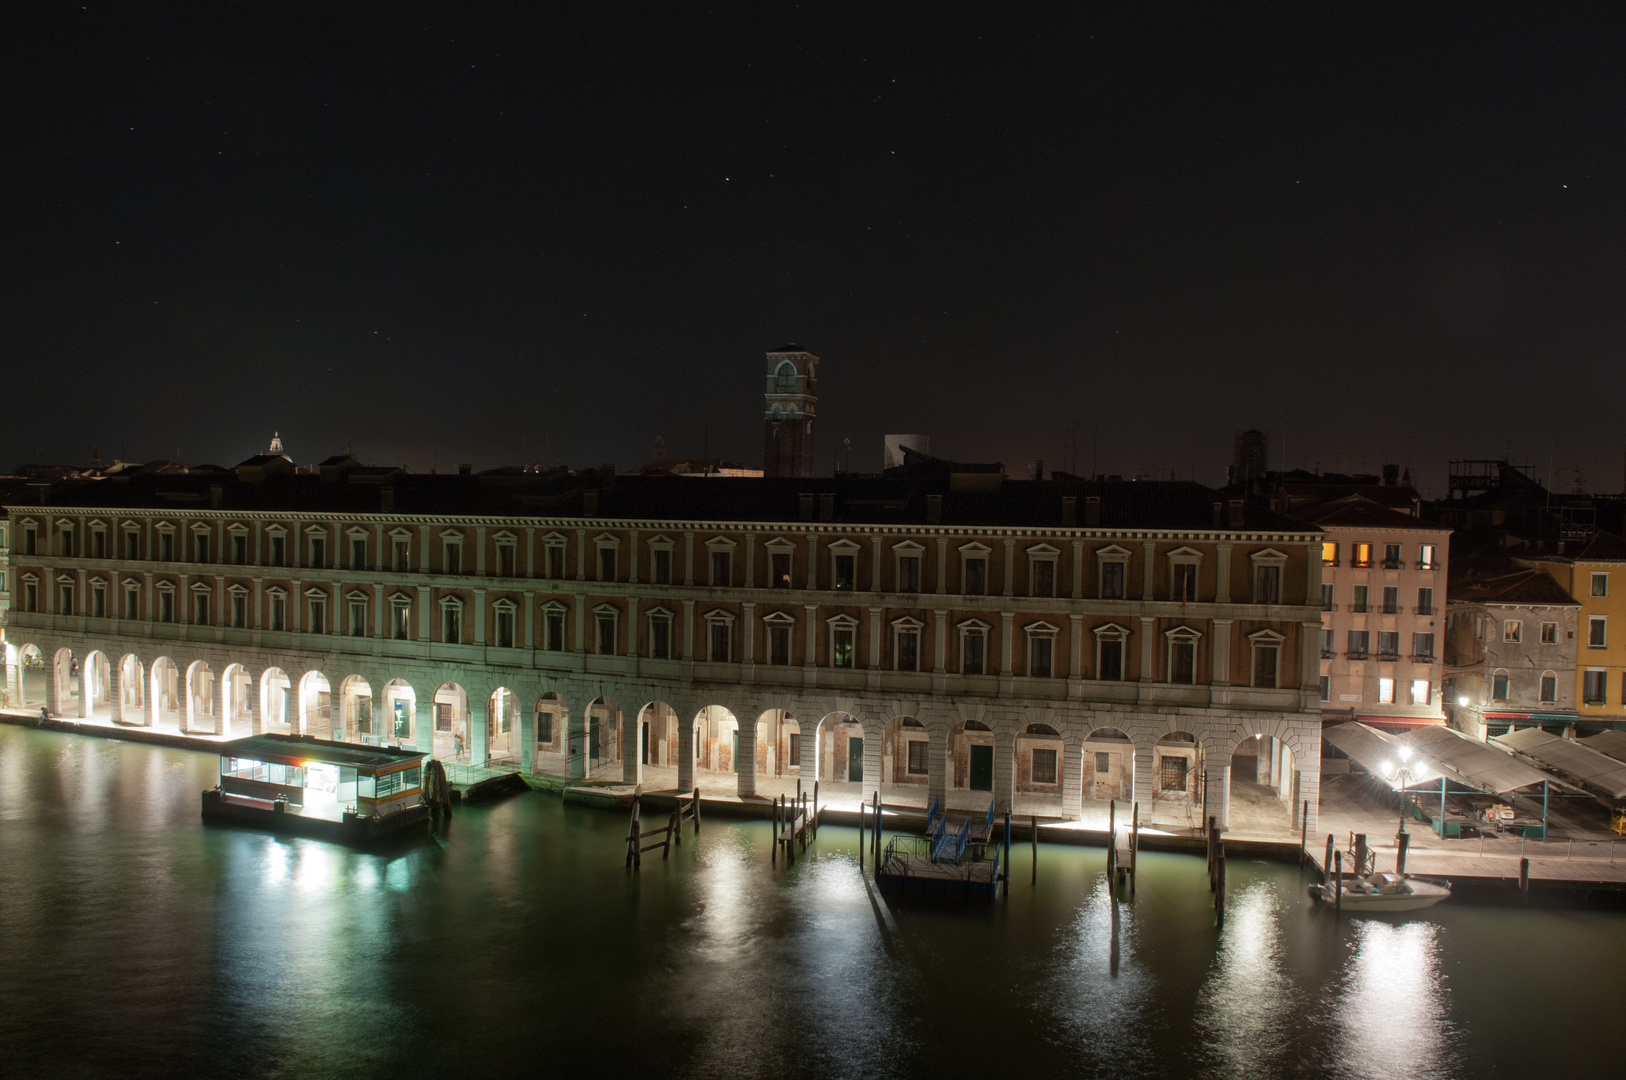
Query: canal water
pixel 134 941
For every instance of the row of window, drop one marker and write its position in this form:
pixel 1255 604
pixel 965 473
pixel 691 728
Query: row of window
pixel 1502 686
pixel 1360 641
pixel 1360 555
pixel 1112 561
pixel 1360 600
pixel 1419 692
pixel 1595 687
pixel 1513 632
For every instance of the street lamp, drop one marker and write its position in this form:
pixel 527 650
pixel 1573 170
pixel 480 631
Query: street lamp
pixel 1402 773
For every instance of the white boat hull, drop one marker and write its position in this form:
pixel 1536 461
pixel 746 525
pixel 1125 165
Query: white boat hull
pixel 1384 892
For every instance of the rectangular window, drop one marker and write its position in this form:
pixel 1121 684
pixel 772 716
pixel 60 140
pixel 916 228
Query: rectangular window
pixel 1425 560
pixel 318 551
pixel 976 576
pixel 1185 583
pixel 1183 661
pixel 1549 633
pixel 972 651
pixel 1425 601
pixel 1595 687
pixel 358 618
pixel 1044 766
pixel 719 652
pixel 722 566
pixel 166 606
pixel 279 550
pixel 660 638
pixel 318 624
pixel 1326 641
pixel 1391 556
pixel 30 541
pixel 908 650
pixel 1388 643
pixel 1549 689
pixel 1360 554
pixel 1422 646
pixel 1267 585
pixel 200 609
pixel 505 628
pixel 1112 659
pixel 909 574
pixel 1421 692
pixel 505 560
pixel 239 611
pixel 606 564
pixel 796 750
pixel 1357 599
pixel 917 751
pixel 67 600
pixel 454 557
pixel 1264 665
pixel 98 602
pixel 166 547
pixel 554 631
pixel 132 545
pixel 841 647
pixel 98 544
pixel 31 597
pixel 1044 578
pixel 1499 686
pixel 239 548
pixel 1103 763
pixel 1600 584
pixel 66 541
pixel 605 625
pixel 1596 635
pixel 358 553
pixel 1326 596
pixel 401 621
pixel 1112 580
pixel 663 566
pixel 779 563
pixel 132 604
pixel 846 572
pixel 279 613
pixel 451 624
pixel 1512 631
pixel 1329 554
pixel 544 727
pixel 200 547
pixel 556 564
pixel 1358 642
pixel 443 716
pixel 1386 691
pixel 778 644
pixel 401 555
pixel 1326 688
pixel 1391 600
pixel 1171 773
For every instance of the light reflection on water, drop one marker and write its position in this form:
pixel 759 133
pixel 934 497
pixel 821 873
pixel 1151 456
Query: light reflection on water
pixel 1104 995
pixel 1246 1008
pixel 1390 1016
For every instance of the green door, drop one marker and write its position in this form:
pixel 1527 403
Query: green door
pixel 982 768
pixel 644 752
pixel 855 760
pixel 734 762
pixel 592 738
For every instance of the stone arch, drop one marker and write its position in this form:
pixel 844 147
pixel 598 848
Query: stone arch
pixel 502 726
pixel 201 717
pixel 132 707
pixel 1107 769
pixel 905 755
pixel 551 733
pixel 33 680
pixel 714 729
pixel 96 689
pixel 971 756
pixel 836 764
pixel 399 724
pixel 450 710
pixel 772 742
pixel 1177 779
pixel 277 712
pixel 315 703
pixel 658 736
pixel 356 712
pixel 236 713
pixel 65 684
pixel 165 699
pixel 1261 782
pixel 1041 764
pixel 601 742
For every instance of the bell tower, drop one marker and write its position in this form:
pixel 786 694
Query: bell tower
pixel 789 408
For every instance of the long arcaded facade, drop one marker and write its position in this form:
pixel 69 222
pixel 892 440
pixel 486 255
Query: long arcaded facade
pixel 1059 642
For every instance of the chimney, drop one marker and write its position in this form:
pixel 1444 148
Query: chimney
pixel 1234 508
pixel 1069 510
pixel 1219 514
pixel 1038 469
pixel 827 506
pixel 1092 511
pixel 1391 476
pixel 217 494
pixel 804 509
pixel 386 500
pixel 590 503
pixel 465 470
pixel 934 509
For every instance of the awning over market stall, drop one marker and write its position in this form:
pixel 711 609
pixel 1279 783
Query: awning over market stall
pixel 1582 764
pixel 1380 753
pixel 1610 742
pixel 1472 762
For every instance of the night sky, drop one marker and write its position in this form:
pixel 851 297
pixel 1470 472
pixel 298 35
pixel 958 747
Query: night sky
pixel 551 232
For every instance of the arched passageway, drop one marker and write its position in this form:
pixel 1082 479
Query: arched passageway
pixel 277 713
pixel 65 672
pixel 1177 781
pixel 32 680
pixel 1108 771
pixel 603 735
pixel 316 717
pixel 905 756
pixel 166 696
pixel 356 708
pixel 502 727
pixel 132 691
pixel 96 687
pixel 841 749
pixel 451 706
pixel 399 724
pixel 200 700
pixel 550 734
pixel 657 736
pixel 1263 788
pixel 716 740
pixel 971 750
pixel 1041 758
pixel 236 702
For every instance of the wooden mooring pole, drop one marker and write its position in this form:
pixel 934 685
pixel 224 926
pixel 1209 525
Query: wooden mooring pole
pixel 1524 879
pixel 1337 882
pixel 1326 863
pixel 1400 852
pixel 877 832
pixel 1035 824
pixel 1304 833
pixel 1219 884
pixel 1134 846
pixel 815 807
pixel 1360 855
pixel 1112 844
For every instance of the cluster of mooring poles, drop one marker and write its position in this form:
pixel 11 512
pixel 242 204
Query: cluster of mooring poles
pixel 1123 853
pixel 686 807
pixel 875 833
pixel 794 820
pixel 1216 869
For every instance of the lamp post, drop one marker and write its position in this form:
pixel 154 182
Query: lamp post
pixel 1403 773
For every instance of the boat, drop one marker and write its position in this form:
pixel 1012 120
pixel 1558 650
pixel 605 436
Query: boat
pixel 1384 892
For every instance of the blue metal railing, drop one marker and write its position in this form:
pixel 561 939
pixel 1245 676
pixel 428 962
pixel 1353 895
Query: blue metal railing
pixel 949 846
pixel 934 814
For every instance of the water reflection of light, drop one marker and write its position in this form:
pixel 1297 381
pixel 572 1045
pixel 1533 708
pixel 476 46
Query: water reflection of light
pixel 1103 992
pixel 313 870
pixel 1245 1008
pixel 274 867
pixel 1390 1015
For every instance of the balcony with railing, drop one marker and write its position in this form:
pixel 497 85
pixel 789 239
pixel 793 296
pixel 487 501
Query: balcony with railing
pixel 1358 608
pixel 1390 609
pixel 1424 609
pixel 1428 564
pixel 1392 564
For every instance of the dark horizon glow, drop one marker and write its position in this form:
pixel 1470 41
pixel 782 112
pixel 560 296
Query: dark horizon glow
pixel 506 234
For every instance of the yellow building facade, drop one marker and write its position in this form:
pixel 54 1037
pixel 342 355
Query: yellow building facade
pixel 1596 577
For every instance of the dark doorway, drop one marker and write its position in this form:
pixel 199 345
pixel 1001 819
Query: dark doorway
pixel 855 760
pixel 734 764
pixel 592 738
pixel 982 768
pixel 644 750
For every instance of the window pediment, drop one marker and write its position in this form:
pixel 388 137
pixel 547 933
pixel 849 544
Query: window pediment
pixel 401 534
pixel 65 579
pixel 276 590
pixel 720 543
pixel 237 590
pixel 237 528
pixel 555 539
pixel 718 615
pixel 505 605
pixel 974 549
pixel 606 609
pixel 554 607
pixel 356 532
pixel 659 613
pixel 1185 554
pixel 452 536
pixel 505 537
pixel 906 623
pixel 318 593
pixel 451 601
pixel 355 594
pixel 1112 630
pixel 842 622
pixel 162 586
pixel 276 530
pixel 198 586
pixel 1269 555
pixel 778 544
pixel 1043 551
pixel 165 526
pixel 779 618
pixel 64 523
pixel 98 580
pixel 908 547
pixel 974 624
pixel 1040 628
pixel 1182 633
pixel 200 527
pixel 659 540
pixel 96 523
pixel 1266 637
pixel 844 547
pixel 400 598
pixel 605 540
pixel 1112 551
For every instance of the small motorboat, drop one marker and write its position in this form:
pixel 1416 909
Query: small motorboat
pixel 1384 892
